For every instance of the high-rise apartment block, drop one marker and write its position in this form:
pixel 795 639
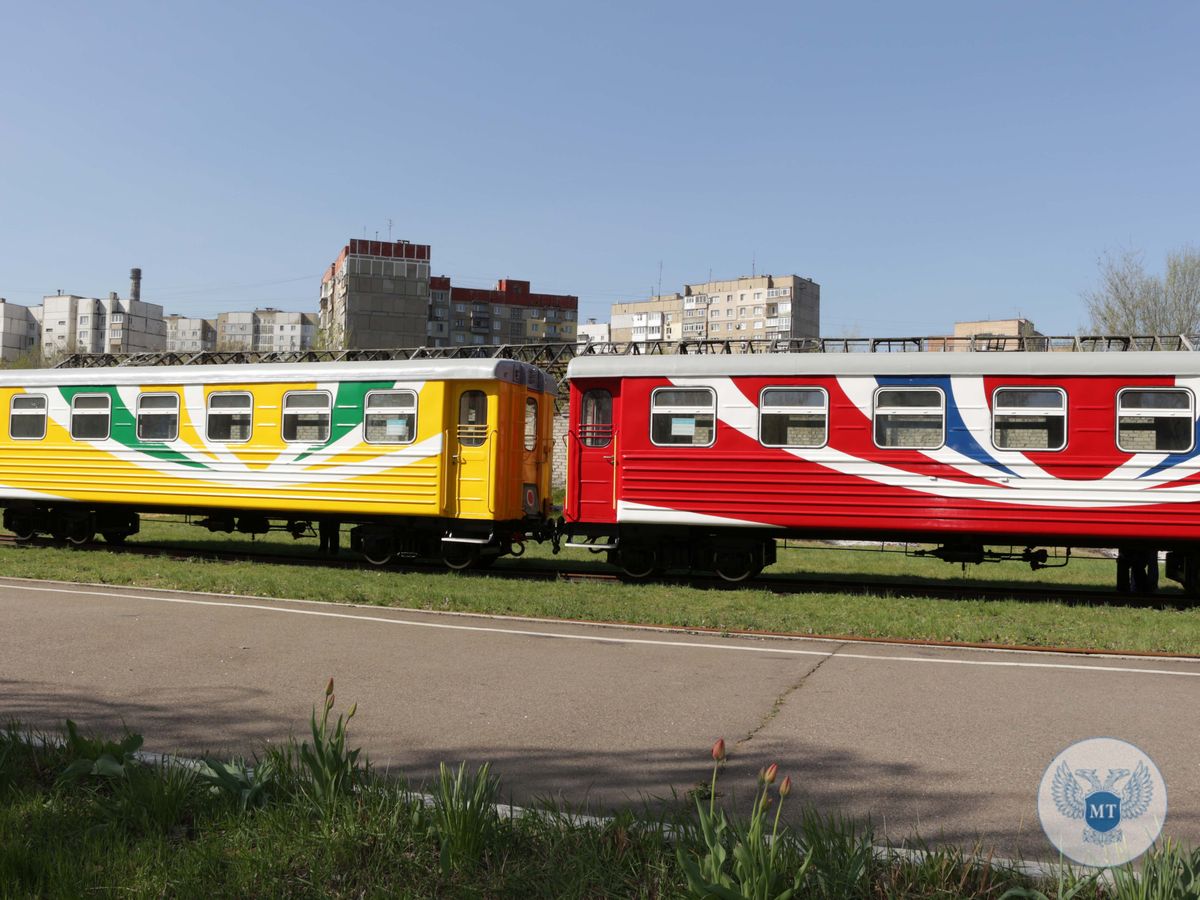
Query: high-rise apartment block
pixel 18 331
pixel 265 330
pixel 376 294
pixel 188 334
pixel 763 307
pixel 506 314
pixel 74 324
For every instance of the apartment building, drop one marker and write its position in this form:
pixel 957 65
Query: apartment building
pixel 763 307
pixel 74 324
pixel 19 333
pixel 509 313
pixel 593 332
pixel 376 294
pixel 187 334
pixel 658 319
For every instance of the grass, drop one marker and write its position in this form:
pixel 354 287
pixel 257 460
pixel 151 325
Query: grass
pixel 1116 627
pixel 70 827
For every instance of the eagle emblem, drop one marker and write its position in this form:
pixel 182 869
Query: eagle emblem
pixel 1102 806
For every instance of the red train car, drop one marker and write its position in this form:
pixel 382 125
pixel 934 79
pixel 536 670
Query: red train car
pixel 701 462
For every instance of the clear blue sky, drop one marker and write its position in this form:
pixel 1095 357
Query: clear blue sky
pixel 924 162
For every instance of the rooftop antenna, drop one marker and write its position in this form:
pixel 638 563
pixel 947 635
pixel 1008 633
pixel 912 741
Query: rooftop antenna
pixel 754 264
pixel 389 231
pixel 660 277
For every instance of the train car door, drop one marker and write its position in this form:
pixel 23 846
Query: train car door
pixel 595 445
pixel 471 455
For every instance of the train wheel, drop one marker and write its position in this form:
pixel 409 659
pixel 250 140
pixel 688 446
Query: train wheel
pixel 80 535
pixel 636 561
pixel 115 538
pixel 23 530
pixel 378 551
pixel 735 565
pixel 458 556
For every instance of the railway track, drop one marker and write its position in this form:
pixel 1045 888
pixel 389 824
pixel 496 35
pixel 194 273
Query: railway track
pixel 781 585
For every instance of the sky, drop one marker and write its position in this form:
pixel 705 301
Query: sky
pixel 924 162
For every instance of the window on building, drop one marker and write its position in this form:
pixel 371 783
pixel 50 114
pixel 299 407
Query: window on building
pixel 27 417
pixel 910 418
pixel 531 423
pixel 758 310
pixel 595 419
pixel 683 417
pixel 1029 419
pixel 230 417
pixel 391 417
pixel 460 307
pixel 83 320
pixel 1150 421
pixel 158 417
pixel 90 416
pixel 729 313
pixel 472 418
pixel 793 417
pixel 306 416
pixel 117 318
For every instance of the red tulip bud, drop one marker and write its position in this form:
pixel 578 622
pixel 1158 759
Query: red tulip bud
pixel 718 751
pixel 329 688
pixel 785 786
pixel 770 773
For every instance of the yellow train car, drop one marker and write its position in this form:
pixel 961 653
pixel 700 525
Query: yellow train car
pixel 431 458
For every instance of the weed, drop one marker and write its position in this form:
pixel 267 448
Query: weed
pixel 465 820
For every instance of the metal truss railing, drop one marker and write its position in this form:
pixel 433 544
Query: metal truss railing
pixel 554 357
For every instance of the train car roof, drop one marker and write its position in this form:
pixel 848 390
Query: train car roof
pixel 1032 364
pixel 382 370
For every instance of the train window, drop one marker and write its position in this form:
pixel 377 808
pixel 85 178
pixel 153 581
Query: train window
pixel 595 419
pixel 391 417
pixel 90 416
pixel 1029 419
pixel 27 417
pixel 793 417
pixel 1155 420
pixel 157 417
pixel 230 417
pixel 683 417
pixel 472 418
pixel 531 423
pixel 910 418
pixel 306 416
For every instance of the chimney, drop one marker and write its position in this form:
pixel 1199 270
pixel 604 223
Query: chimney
pixel 135 284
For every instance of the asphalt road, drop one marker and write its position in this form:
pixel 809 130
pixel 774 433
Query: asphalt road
pixel 948 744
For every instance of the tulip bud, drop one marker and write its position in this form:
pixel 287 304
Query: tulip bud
pixel 353 710
pixel 329 702
pixel 329 688
pixel 785 786
pixel 770 773
pixel 718 750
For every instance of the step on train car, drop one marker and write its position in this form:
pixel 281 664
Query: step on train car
pixel 702 462
pixel 445 459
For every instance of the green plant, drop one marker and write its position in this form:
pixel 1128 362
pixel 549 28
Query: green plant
pixel 150 799
pixel 246 786
pixel 759 870
pixel 98 757
pixel 465 820
pixel 1167 873
pixel 331 770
